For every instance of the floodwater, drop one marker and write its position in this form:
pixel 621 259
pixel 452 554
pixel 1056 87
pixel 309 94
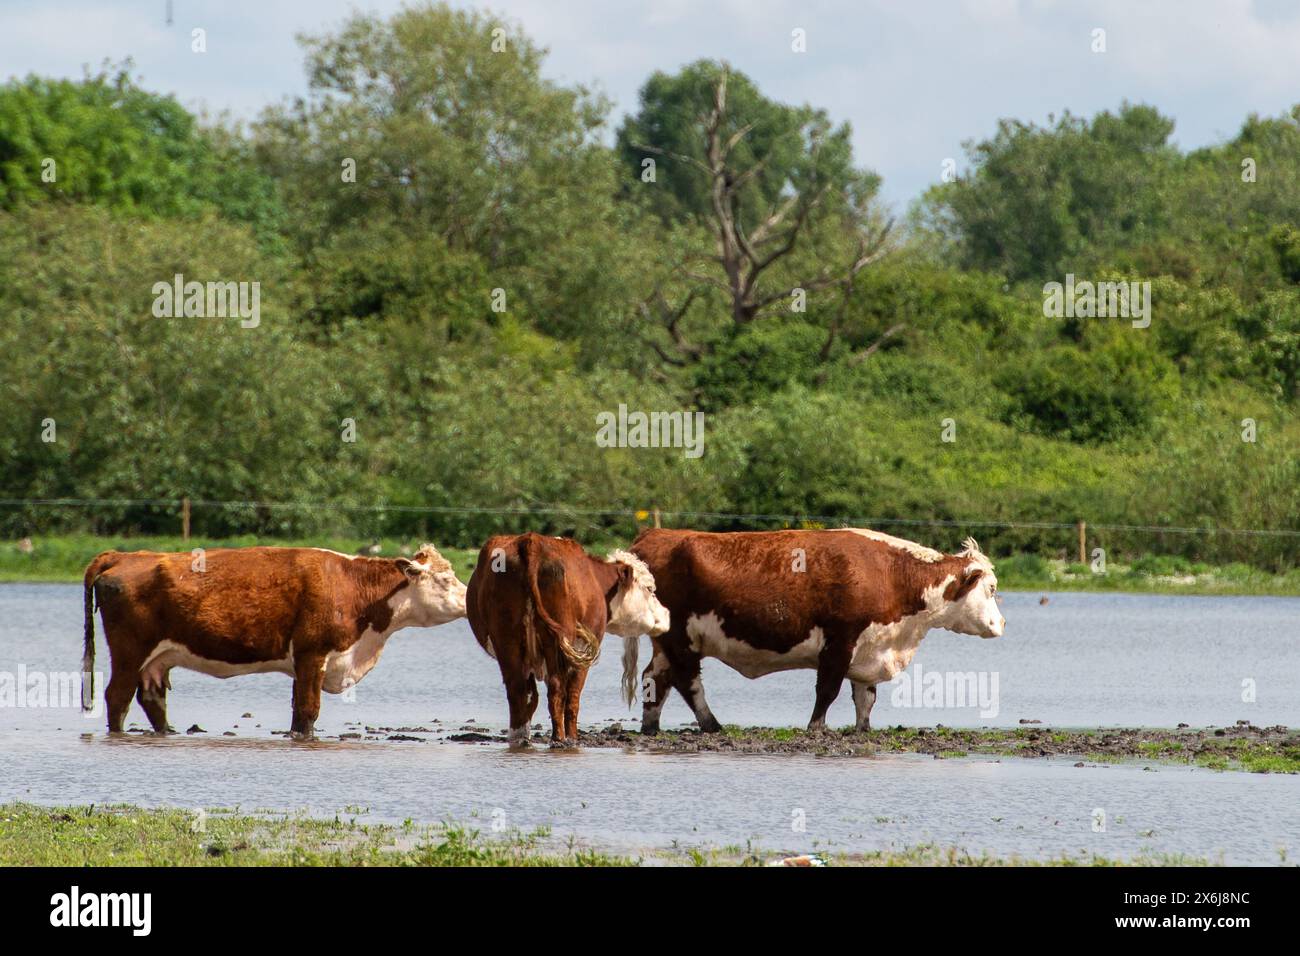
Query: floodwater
pixel 1079 660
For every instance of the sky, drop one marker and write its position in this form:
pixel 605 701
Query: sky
pixel 915 78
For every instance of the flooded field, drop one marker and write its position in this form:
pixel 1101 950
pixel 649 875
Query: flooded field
pixel 1079 660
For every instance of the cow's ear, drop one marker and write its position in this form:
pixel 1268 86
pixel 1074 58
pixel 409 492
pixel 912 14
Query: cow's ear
pixel 625 575
pixel 408 567
pixel 971 578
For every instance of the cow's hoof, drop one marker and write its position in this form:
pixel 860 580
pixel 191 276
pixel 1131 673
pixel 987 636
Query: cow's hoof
pixel 649 730
pixel 302 735
pixel 711 727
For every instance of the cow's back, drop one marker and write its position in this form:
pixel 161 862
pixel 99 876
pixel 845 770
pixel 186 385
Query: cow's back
pixel 770 588
pixel 233 605
pixel 562 572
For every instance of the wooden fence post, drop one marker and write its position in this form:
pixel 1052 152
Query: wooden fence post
pixel 656 514
pixel 1083 542
pixel 185 519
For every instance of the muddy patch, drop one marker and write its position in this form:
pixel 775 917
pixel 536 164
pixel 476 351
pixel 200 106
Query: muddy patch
pixel 1244 746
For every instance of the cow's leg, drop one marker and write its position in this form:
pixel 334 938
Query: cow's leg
pixel 573 694
pixel 556 697
pixel 685 674
pixel 864 698
pixel 153 698
pixel 117 695
pixel 656 685
pixel 521 692
pixel 308 678
pixel 832 668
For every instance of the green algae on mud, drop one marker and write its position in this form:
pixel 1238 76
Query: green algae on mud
pixel 123 835
pixel 1242 747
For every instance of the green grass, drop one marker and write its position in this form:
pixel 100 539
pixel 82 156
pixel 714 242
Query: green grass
pixel 63 558
pixel 1150 574
pixel 132 836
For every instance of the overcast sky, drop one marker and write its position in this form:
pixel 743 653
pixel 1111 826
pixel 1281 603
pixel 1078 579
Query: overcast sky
pixel 915 78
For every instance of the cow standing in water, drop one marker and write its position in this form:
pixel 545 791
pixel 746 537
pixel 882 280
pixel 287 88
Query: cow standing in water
pixel 319 616
pixel 847 603
pixel 541 606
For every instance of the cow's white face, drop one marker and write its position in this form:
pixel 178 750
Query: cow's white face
pixel 635 610
pixel 976 609
pixel 437 595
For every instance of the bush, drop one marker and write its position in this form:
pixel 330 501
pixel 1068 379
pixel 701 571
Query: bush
pixel 759 360
pixel 1090 396
pixel 1023 569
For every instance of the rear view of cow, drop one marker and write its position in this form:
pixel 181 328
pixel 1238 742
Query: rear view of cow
pixel 848 603
pixel 541 605
pixel 319 616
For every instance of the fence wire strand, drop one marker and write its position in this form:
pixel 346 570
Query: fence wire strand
pixel 638 514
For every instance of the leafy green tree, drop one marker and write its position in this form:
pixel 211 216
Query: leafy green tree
pixel 437 124
pixel 768 193
pixel 1273 328
pixel 105 140
pixel 146 407
pixel 1037 198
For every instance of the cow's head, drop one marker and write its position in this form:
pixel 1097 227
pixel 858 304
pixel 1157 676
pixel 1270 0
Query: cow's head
pixel 973 605
pixel 634 609
pixel 437 595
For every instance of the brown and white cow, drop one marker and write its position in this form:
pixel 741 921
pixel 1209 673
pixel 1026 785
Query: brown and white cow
pixel 319 616
pixel 541 605
pixel 847 603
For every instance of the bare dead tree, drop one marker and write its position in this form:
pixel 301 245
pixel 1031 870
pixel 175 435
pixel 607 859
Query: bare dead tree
pixel 744 257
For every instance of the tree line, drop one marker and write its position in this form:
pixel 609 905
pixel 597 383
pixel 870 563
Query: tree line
pixel 463 264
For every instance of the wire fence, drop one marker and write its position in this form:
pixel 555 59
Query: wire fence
pixel 185 505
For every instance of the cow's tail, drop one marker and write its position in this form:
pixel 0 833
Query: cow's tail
pixel 98 566
pixel 580 657
pixel 630 647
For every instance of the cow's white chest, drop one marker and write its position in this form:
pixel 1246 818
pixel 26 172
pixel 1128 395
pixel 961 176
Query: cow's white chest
pixel 343 669
pixel 883 651
pixel 709 640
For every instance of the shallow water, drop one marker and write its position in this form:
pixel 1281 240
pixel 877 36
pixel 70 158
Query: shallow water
pixel 1080 660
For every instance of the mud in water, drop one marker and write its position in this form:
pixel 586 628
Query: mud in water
pixel 1237 745
pixel 1185 744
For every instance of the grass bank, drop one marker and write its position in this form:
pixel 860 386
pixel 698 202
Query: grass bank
pixel 33 835
pixel 62 558
pixel 132 836
pixel 1150 574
